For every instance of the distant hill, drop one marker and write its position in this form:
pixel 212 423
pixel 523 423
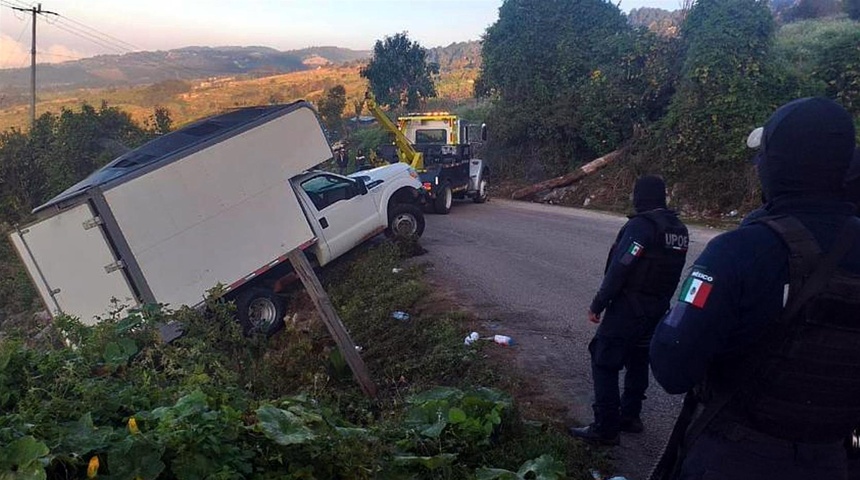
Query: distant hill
pixel 456 56
pixel 141 68
pixel 659 21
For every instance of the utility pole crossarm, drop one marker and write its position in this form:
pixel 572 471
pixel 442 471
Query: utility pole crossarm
pixel 37 10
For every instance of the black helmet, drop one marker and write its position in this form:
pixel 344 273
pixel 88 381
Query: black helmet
pixel 806 147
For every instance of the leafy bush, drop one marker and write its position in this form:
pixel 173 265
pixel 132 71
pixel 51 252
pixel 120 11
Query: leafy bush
pixel 115 400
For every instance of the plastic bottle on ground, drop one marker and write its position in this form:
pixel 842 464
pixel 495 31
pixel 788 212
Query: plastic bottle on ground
pixel 503 340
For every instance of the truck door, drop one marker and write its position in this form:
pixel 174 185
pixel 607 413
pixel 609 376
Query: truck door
pixel 72 265
pixel 346 216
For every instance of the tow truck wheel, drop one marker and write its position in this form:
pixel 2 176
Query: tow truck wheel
pixel 405 221
pixel 444 200
pixel 481 196
pixel 260 311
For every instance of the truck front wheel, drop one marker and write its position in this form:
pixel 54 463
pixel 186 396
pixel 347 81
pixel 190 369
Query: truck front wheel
pixel 444 200
pixel 405 220
pixel 260 310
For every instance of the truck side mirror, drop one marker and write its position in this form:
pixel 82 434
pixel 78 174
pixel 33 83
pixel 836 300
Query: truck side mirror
pixel 360 186
pixel 483 132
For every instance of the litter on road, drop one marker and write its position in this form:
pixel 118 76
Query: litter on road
pixel 500 339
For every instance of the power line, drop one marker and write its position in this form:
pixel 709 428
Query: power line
pixel 111 37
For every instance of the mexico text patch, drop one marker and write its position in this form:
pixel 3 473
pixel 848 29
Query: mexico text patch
pixel 697 289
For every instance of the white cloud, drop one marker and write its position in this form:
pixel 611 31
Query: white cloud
pixel 17 54
pixel 12 53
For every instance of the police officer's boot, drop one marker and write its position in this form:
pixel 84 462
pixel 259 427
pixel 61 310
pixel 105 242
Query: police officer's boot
pixel 632 425
pixel 591 433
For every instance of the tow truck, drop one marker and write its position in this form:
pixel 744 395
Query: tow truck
pixel 439 146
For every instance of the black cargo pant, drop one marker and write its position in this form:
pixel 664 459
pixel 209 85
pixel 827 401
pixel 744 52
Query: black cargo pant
pixel 621 342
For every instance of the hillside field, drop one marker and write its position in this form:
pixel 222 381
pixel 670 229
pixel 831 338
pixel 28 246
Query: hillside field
pixel 191 100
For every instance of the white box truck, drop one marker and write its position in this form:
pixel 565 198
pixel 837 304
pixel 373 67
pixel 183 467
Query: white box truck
pixel 220 201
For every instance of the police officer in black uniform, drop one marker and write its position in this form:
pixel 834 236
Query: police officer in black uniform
pixel 641 275
pixel 767 326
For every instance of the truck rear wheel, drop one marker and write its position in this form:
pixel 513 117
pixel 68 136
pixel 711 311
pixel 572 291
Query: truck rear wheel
pixel 260 310
pixel 405 220
pixel 444 200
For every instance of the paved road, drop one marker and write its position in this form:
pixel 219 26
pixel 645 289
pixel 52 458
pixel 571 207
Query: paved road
pixel 530 271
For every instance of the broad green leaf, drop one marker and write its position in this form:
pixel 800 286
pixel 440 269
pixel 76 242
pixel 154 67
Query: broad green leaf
pixel 433 431
pixel 282 427
pixel 83 437
pixel 456 415
pixel 23 452
pixel 136 457
pixel 128 323
pixel 438 393
pixel 544 468
pixel 118 353
pixel 495 474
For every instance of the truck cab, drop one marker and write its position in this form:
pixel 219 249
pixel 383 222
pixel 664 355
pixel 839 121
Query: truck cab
pixel 344 211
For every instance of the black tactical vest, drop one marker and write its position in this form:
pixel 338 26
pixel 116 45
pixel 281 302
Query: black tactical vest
pixel 805 385
pixel 658 271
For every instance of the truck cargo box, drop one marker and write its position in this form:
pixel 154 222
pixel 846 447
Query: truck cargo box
pixel 210 203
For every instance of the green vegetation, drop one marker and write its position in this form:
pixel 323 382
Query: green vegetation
pixel 573 81
pixel 331 108
pixel 399 74
pixel 63 149
pixel 214 404
pixel 726 89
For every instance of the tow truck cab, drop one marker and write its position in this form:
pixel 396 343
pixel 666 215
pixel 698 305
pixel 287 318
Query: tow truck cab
pixel 450 171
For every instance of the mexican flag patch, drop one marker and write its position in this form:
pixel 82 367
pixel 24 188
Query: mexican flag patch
pixel 696 289
pixel 636 249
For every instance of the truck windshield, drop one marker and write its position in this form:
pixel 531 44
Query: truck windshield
pixel 437 136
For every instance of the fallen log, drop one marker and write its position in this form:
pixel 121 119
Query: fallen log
pixel 569 178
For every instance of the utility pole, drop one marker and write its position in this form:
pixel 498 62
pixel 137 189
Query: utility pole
pixel 37 10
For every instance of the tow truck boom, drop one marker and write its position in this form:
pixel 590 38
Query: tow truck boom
pixel 405 151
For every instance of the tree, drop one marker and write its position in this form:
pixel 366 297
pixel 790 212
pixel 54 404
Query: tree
pixel 838 68
pixel 331 108
pixel 63 149
pixel 399 73
pixel 536 59
pixel 728 87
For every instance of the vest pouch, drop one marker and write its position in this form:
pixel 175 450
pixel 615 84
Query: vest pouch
pixel 809 389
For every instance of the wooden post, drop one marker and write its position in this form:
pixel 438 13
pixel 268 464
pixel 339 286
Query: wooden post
pixel 572 177
pixel 332 321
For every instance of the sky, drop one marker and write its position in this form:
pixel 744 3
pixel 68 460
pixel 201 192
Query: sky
pixel 91 27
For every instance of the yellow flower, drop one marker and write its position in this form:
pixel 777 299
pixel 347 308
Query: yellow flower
pixel 93 467
pixel 132 426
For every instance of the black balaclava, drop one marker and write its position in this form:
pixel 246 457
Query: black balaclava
pixel 807 146
pixel 649 193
